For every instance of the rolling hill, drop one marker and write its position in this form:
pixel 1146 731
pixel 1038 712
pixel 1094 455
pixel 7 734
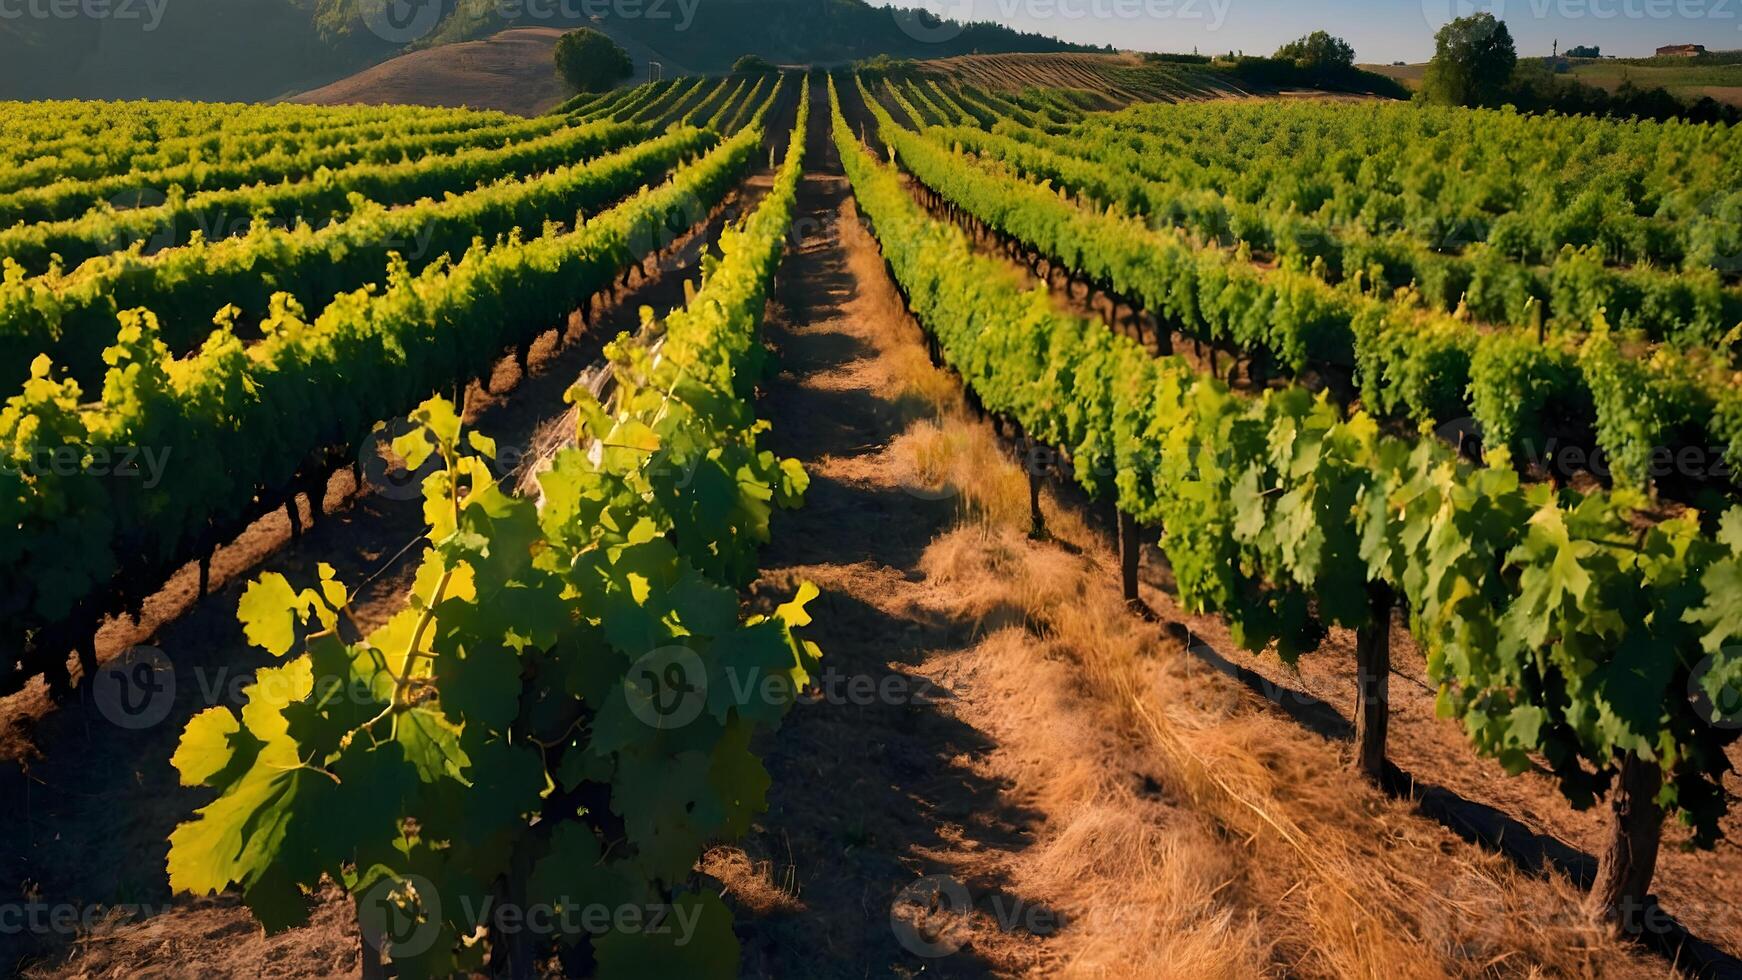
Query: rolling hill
pixel 509 71
pixel 263 49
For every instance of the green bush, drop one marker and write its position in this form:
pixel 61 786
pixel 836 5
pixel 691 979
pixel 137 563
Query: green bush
pixel 590 61
pixel 752 64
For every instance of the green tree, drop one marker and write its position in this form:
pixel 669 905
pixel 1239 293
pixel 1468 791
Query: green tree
pixel 1473 61
pixel 1318 51
pixel 752 64
pixel 590 61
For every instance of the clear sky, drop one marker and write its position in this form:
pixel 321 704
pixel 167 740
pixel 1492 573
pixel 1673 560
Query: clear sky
pixel 1380 30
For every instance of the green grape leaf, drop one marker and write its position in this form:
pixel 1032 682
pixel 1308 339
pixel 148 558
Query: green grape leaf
pixel 749 665
pixel 504 783
pixel 414 449
pixel 696 943
pixel 793 612
pixel 276 901
pixel 207 748
pixel 739 778
pixel 268 611
pixel 576 882
pixel 1632 686
pixel 438 416
pixel 1721 614
pixel 1526 725
pixel 480 683
pixel 669 808
pixel 431 743
pixel 705 609
pixel 794 481
pixel 1730 530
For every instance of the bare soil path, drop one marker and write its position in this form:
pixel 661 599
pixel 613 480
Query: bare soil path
pixel 860 537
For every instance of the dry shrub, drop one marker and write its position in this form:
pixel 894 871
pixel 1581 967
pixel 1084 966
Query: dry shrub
pixel 756 885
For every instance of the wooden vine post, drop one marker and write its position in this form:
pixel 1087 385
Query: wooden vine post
pixel 1621 896
pixel 1036 521
pixel 1373 682
pixel 522 954
pixel 1130 553
pixel 368 952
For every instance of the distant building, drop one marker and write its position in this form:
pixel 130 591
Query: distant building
pixel 1681 50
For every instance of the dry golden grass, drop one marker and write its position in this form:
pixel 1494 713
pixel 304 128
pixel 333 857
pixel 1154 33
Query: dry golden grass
pixel 1191 831
pixel 754 884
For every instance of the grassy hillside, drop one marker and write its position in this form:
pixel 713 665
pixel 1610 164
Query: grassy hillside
pixel 509 71
pixel 1688 79
pixel 1719 76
